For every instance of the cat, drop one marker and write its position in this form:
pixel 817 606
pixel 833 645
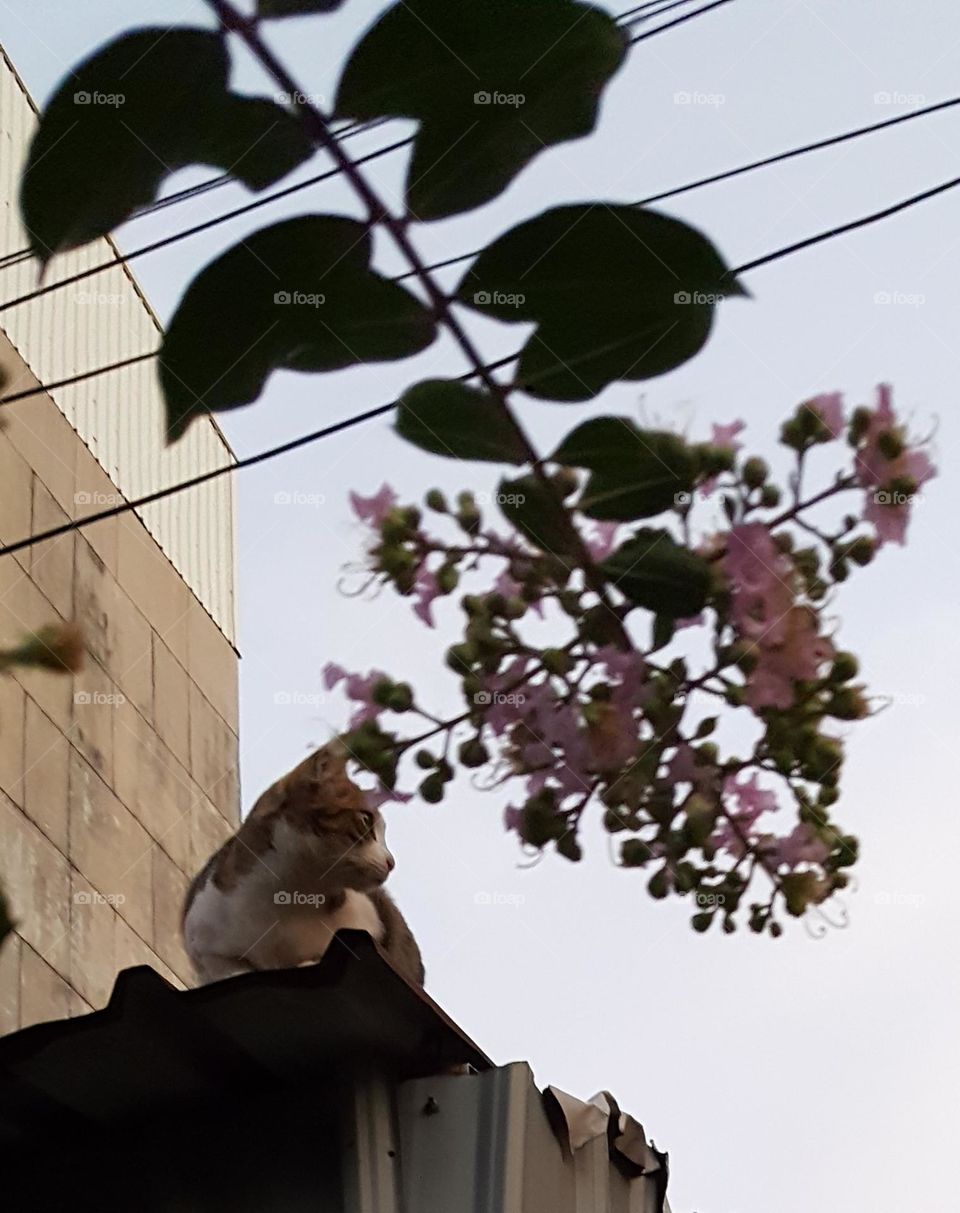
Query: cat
pixel 309 858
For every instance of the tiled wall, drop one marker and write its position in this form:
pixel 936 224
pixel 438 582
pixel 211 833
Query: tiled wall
pixel 118 782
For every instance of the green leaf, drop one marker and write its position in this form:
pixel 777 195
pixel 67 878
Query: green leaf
pixel 299 295
pixel 448 418
pixel 664 628
pixel 138 109
pixel 295 8
pixel 636 473
pixel 530 506
pixel 492 85
pixel 655 572
pixel 617 293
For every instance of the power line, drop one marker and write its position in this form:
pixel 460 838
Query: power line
pixel 677 21
pixel 195 191
pixel 844 228
pixel 646 12
pixel 675 191
pixel 339 426
pixel 227 468
pixel 153 247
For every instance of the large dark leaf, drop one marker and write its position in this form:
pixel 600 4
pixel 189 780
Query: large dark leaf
pixel 299 295
pixel 655 572
pixel 141 107
pixel 617 292
pixel 536 513
pixel 636 473
pixel 295 8
pixel 449 418
pixel 492 85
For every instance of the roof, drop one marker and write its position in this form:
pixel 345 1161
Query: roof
pixel 154 1045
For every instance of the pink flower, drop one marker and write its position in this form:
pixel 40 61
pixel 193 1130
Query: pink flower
pixel 426 591
pixel 801 845
pixel 829 408
pixel 512 818
pixel 374 509
pixel 798 657
pixel 725 436
pixel 752 801
pixel 602 542
pixel 359 690
pixel 761 581
pixel 892 481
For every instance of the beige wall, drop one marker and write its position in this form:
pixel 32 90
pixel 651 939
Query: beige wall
pixel 118 782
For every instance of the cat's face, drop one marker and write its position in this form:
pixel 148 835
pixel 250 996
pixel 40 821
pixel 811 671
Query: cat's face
pixel 344 838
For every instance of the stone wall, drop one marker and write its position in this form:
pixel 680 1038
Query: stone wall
pixel 117 783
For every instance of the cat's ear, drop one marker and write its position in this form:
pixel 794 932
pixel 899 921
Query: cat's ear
pixel 272 800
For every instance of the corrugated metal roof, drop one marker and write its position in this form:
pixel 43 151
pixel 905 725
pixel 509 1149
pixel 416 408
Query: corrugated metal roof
pixel 337 1087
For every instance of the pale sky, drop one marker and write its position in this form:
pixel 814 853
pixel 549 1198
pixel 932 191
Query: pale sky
pixel 791 1074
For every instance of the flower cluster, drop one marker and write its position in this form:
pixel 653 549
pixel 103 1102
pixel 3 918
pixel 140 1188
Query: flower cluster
pixel 611 712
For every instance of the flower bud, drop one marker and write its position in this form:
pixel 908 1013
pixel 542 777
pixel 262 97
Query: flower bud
pixel 447 579
pixel 755 472
pixel 658 885
pixel 432 789
pixel 425 760
pixel 436 501
pixel 701 922
pixel 473 753
pixel 845 667
pixel 770 497
pixel 556 661
pixel 634 853
pixel 569 848
pixel 862 550
pixel 400 698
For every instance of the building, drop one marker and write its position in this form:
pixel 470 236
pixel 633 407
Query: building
pixel 115 784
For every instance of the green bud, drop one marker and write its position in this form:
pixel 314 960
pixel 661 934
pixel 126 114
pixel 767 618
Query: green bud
pixel 658 885
pixel 400 698
pixel 460 657
pixel 890 444
pixel 425 760
pixel 569 848
pixel 859 424
pixel 436 501
pixel 847 703
pixel 382 692
pixel 755 472
pixel 634 853
pixel 539 824
pixel 473 753
pixel 701 818
pixel 845 667
pixel 862 550
pixel 447 579
pixel 432 789
pixel 701 922
pixel 792 435
pixel 705 727
pixel 515 608
pixel 770 498
pixel 556 661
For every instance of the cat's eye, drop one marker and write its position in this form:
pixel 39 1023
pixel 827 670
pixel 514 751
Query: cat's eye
pixel 366 822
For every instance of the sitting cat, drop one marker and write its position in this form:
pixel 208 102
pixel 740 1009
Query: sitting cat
pixel 309 858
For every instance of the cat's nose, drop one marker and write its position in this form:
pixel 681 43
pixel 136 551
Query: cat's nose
pixel 391 862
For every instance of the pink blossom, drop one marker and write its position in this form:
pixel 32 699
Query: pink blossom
pixel 374 509
pixel 358 689
pixel 510 588
pixel 426 590
pixel 888 506
pixel 512 818
pixel 383 795
pixel 752 801
pixel 799 657
pixel 761 580
pixel 725 436
pixel 829 408
pixel 801 845
pixel 603 540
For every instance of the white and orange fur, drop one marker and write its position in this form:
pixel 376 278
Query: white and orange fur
pixel 310 858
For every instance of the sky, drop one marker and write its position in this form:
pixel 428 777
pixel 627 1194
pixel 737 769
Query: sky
pixel 791 1074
